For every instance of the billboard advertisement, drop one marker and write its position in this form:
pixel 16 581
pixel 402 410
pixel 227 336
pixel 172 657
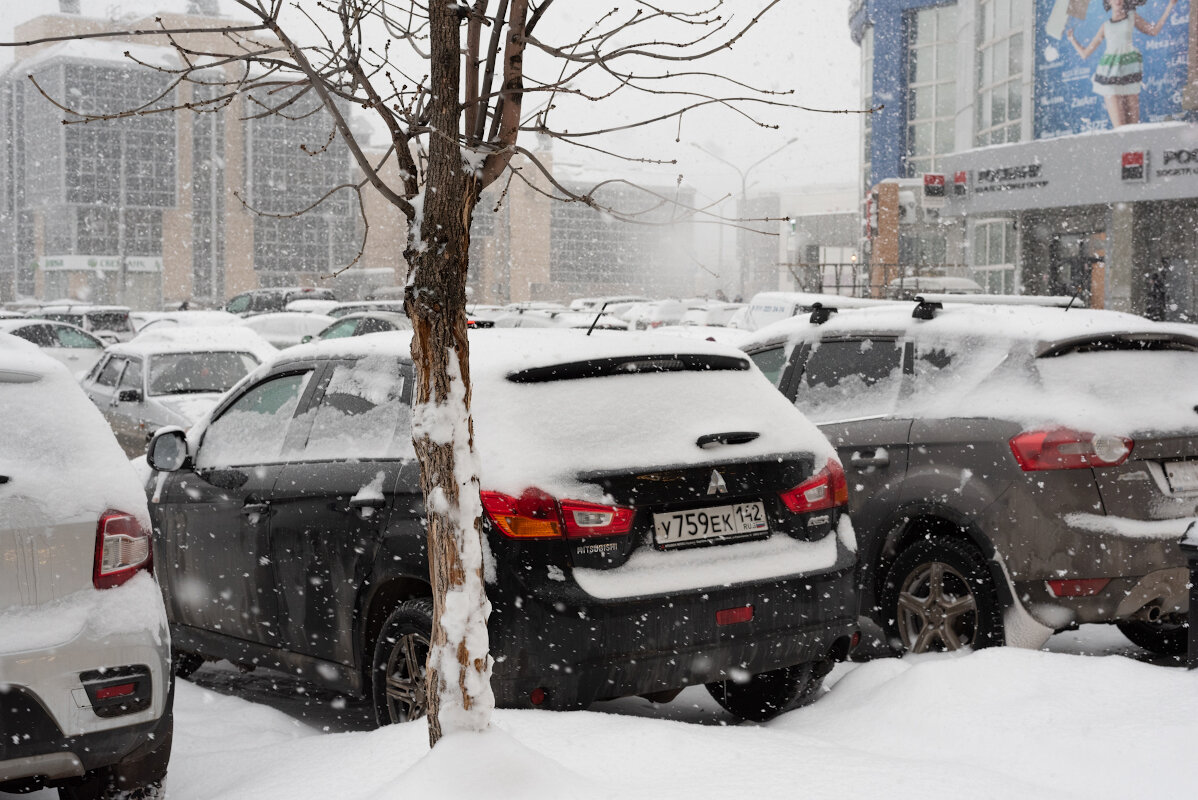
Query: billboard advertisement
pixel 1102 64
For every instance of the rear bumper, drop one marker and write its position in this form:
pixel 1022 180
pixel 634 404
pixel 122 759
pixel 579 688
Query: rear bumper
pixel 1160 593
pixel 605 649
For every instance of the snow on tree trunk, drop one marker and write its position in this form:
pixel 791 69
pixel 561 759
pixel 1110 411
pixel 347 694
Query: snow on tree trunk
pixel 459 670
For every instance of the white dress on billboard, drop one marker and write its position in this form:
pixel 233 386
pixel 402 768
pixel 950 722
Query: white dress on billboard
pixel 1121 68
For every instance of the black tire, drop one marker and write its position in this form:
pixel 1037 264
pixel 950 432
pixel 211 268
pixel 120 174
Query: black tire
pixel 939 596
pixel 1165 637
pixel 399 661
pixel 768 694
pixel 185 664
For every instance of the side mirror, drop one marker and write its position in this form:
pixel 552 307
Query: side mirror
pixel 306 339
pixel 129 396
pixel 167 450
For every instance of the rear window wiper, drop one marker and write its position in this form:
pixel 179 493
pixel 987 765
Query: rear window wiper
pixel 629 365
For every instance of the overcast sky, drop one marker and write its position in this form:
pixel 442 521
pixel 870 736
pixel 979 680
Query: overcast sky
pixel 802 44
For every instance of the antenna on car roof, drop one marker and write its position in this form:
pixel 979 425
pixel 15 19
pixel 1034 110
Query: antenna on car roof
pixel 821 313
pixel 1073 299
pixel 597 316
pixel 926 309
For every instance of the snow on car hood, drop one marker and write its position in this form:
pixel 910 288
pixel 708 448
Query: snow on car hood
pixel 189 407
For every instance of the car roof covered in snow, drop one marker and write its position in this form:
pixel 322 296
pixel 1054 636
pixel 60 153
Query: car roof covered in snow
pixel 195 338
pixel 1041 327
pixel 536 423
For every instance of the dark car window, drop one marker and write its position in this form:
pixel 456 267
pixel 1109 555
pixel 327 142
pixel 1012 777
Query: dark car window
pixel 238 304
pixel 111 371
pixel 844 379
pixel 109 321
pixel 196 373
pixel 71 337
pixel 38 334
pixel 364 413
pixel 70 319
pixel 373 325
pixel 339 330
pixel 771 362
pixel 254 428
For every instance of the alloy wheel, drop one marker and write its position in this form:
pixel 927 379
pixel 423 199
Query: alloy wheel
pixel 406 697
pixel 936 609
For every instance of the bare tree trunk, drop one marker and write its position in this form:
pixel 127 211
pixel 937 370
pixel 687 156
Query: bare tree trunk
pixel 459 690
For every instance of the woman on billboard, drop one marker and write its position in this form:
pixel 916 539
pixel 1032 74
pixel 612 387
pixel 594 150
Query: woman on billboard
pixel 1120 70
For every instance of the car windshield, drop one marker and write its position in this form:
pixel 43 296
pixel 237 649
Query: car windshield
pixel 193 373
pixel 110 321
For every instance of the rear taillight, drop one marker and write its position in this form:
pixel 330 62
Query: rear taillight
pixel 1063 448
pixel 122 549
pixel 825 489
pixel 537 515
pixel 593 519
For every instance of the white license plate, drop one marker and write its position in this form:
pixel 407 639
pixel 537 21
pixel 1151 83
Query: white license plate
pixel 716 522
pixel 1183 475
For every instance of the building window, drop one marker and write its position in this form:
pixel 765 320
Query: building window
pixel 931 86
pixel 994 255
pixel 867 101
pixel 1000 101
pixel 98 232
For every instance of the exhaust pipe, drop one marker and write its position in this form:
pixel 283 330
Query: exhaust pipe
pixel 1149 613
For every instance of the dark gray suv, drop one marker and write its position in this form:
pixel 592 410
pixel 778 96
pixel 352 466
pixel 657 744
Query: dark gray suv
pixel 1013 470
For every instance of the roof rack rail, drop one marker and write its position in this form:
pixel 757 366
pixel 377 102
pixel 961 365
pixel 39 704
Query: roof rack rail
pixel 1051 301
pixel 821 313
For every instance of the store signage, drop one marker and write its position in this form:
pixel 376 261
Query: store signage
pixel 933 190
pixel 102 263
pixel 1178 162
pixel 960 183
pixel 1007 179
pixel 1135 166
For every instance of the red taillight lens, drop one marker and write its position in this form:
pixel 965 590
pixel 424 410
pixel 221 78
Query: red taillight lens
pixel 1063 448
pixel 120 690
pixel 122 548
pixel 1077 587
pixel 592 519
pixel 731 616
pixel 827 488
pixel 532 515
pixel 537 515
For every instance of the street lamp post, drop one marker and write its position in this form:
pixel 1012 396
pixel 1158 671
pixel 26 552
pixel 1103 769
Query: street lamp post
pixel 742 234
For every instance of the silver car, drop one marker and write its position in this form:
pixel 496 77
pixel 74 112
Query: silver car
pixel 170 377
pixel 85 688
pixel 73 346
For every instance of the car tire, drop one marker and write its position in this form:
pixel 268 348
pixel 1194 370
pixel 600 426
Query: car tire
pixel 767 694
pixel 939 595
pixel 185 663
pixel 1163 637
pixel 399 661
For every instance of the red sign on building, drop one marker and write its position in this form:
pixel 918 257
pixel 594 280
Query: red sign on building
pixel 1135 166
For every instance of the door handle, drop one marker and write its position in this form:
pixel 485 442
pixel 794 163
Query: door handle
pixel 255 508
pixel 878 457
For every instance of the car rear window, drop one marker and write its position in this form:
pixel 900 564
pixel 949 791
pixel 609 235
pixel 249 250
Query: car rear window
pixel 196 373
pixel 110 321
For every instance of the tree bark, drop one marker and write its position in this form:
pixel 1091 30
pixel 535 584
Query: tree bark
pixel 458 681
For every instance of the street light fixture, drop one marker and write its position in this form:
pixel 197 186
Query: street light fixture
pixel 741 235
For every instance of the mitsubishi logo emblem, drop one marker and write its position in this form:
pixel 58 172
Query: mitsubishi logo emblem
pixel 717 485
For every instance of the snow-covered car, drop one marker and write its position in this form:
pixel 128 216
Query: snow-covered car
pixel 263 301
pixel 110 323
pixel 658 516
pixel 201 318
pixel 341 309
pixel 170 376
pixel 1014 470
pixel 74 347
pixel 537 318
pixel 360 323
pixel 285 328
pixel 85 688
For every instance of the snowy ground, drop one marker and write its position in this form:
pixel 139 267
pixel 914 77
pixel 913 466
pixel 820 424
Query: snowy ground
pixel 1089 718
